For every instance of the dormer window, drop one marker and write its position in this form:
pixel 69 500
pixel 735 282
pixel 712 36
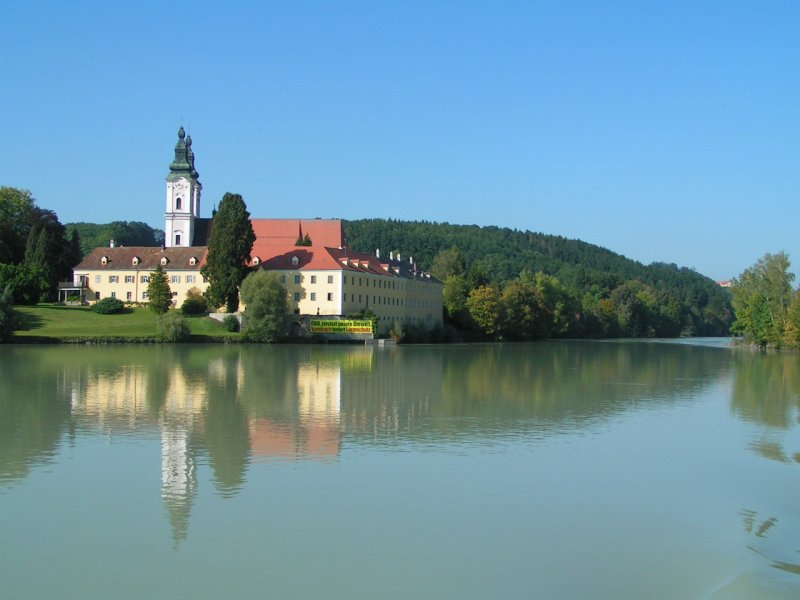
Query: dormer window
pixel 256 260
pixel 193 261
pixel 104 260
pixel 136 260
pixel 295 261
pixel 164 260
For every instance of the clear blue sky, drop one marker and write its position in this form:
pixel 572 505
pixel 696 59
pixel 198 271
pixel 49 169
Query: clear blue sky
pixel 664 131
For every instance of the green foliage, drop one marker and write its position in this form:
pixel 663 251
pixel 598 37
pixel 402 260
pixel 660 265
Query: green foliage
pixel 447 263
pixel 266 303
pixel 195 303
pixel 231 323
pixel 48 248
pixel 484 306
pixel 304 240
pixel 159 294
pixel 593 291
pixel 8 316
pixel 16 215
pixel 762 296
pixel 26 283
pixel 124 233
pixel 229 249
pixel 173 327
pixel 108 306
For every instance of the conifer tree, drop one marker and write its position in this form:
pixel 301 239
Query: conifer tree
pixel 229 249
pixel 158 291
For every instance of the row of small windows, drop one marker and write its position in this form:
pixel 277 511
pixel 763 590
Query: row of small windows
pixel 299 279
pixel 146 279
pixel 313 296
pixel 129 295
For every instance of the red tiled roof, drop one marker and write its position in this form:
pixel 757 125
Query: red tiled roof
pixel 311 258
pixel 284 232
pixel 121 258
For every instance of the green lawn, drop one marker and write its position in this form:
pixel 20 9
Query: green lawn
pixel 72 323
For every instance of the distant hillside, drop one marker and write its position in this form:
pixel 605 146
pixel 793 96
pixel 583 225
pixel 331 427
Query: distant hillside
pixel 500 255
pixel 124 233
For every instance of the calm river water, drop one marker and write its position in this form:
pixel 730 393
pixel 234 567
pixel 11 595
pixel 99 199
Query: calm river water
pixel 550 470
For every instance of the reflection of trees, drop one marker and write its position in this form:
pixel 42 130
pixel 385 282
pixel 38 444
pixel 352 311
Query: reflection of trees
pixel 572 380
pixel 498 388
pixel 766 388
pixel 226 435
pixel 766 391
pixel 31 426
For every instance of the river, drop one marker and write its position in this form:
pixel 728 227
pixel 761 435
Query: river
pixel 619 469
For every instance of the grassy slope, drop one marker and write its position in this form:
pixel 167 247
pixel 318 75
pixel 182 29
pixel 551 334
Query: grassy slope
pixel 71 323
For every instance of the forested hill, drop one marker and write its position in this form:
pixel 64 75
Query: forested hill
pixel 498 256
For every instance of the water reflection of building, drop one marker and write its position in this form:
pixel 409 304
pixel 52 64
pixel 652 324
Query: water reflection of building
pixel 316 434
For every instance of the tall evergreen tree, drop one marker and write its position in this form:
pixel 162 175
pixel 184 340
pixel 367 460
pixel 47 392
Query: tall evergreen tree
pixel 158 293
pixel 229 249
pixel 48 249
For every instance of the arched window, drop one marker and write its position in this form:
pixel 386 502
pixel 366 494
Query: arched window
pixel 177 203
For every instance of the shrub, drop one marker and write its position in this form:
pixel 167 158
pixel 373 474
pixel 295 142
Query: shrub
pixel 8 316
pixel 108 306
pixel 195 303
pixel 172 327
pixel 231 323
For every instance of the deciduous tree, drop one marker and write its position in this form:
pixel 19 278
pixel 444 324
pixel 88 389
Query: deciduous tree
pixel 266 303
pixel 761 298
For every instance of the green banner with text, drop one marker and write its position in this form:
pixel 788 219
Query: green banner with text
pixel 341 326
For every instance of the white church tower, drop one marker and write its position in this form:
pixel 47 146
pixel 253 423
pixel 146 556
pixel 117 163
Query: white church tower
pixel 183 195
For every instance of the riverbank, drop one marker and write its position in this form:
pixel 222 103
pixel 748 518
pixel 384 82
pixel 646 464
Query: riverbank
pixel 58 324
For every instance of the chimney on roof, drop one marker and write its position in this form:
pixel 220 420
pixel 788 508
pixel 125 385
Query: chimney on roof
pixel 111 244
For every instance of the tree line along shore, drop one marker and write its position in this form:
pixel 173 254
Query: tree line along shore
pixel 499 283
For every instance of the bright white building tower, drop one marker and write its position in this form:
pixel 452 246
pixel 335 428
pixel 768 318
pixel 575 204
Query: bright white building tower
pixel 183 195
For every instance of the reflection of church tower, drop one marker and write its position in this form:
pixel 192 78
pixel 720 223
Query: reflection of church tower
pixel 178 478
pixel 183 195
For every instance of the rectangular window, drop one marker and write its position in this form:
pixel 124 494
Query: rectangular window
pixel 145 295
pixel 129 279
pixel 313 296
pixel 297 278
pixel 129 296
pixel 330 296
pixel 283 278
pixel 313 279
pixel 174 294
pixel 297 296
pixel 113 294
pixel 330 278
pixel 113 279
pixel 145 279
pixel 176 279
pixel 97 295
pixel 190 279
pixel 97 278
pixel 205 279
